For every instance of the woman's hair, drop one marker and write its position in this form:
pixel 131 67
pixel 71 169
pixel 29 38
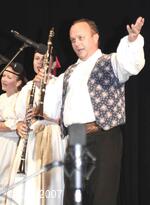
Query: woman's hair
pixel 20 72
pixel 41 49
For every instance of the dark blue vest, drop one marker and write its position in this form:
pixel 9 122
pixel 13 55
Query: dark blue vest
pixel 107 94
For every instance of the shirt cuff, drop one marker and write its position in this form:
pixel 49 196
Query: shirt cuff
pixel 139 42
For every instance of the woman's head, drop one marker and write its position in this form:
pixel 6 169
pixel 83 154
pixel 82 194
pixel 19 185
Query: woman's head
pixel 38 61
pixel 13 78
pixel 39 57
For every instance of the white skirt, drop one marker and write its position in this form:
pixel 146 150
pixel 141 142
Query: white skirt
pixel 8 146
pixel 30 192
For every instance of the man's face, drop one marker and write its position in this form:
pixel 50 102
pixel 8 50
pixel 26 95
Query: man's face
pixel 84 41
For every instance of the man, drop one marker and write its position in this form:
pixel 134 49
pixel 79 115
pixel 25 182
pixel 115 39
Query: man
pixel 93 95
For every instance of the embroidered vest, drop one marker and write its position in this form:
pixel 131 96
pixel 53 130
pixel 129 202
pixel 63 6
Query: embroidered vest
pixel 67 75
pixel 107 94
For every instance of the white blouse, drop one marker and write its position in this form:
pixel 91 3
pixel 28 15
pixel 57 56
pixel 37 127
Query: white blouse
pixel 7 112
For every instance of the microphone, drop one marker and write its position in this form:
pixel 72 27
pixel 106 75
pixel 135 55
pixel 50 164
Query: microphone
pixel 77 141
pixel 41 48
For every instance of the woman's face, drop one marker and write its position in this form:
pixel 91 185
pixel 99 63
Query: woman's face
pixel 38 62
pixel 9 81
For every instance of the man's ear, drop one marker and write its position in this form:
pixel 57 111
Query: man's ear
pixel 96 37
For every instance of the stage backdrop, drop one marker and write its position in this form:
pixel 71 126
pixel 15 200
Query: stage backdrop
pixel 34 19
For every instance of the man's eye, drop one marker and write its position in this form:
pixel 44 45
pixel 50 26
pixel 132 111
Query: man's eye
pixel 81 38
pixel 73 40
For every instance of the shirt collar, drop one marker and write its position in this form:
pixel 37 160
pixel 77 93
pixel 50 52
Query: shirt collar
pixel 97 54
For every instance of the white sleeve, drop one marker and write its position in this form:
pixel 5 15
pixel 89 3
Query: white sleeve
pixel 53 98
pixel 11 123
pixel 129 58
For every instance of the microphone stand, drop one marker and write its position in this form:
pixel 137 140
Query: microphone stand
pixel 79 162
pixel 45 168
pixel 19 51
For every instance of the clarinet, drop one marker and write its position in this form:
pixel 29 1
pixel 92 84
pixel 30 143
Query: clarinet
pixel 47 65
pixel 21 169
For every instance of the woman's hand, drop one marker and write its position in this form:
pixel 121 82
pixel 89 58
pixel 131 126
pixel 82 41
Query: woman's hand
pixel 22 129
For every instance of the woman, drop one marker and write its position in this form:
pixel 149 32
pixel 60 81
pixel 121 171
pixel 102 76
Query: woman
pixel 12 80
pixel 44 142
